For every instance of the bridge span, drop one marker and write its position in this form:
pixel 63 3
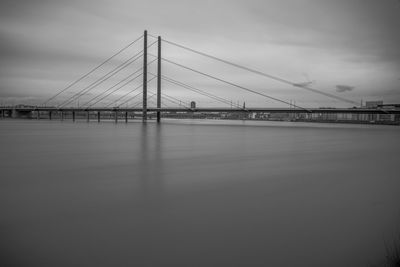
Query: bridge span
pixel 100 102
pixel 126 113
pixel 204 110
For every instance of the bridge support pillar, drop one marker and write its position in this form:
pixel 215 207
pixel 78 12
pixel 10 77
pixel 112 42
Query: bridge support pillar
pixel 38 114
pixel 144 112
pixel 62 115
pixel 98 116
pixel 87 116
pixel 49 115
pixel 116 116
pixel 159 80
pixel 126 116
pixel 73 115
pixel 2 113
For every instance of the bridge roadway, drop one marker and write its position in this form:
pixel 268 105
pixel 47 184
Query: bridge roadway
pixel 207 110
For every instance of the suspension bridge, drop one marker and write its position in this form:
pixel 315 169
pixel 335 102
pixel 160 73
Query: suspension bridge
pixel 94 100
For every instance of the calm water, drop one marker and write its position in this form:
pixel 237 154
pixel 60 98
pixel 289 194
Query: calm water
pixel 197 193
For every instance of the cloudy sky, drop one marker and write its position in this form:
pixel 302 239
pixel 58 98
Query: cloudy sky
pixel 349 48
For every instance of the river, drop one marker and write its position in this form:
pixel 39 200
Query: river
pixel 197 193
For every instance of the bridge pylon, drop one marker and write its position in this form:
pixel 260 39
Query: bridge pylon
pixel 144 111
pixel 159 79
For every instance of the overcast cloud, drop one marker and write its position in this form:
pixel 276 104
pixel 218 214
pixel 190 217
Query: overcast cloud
pixel 45 45
pixel 344 88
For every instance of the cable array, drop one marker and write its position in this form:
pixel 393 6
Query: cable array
pixel 126 98
pixel 102 79
pixel 259 72
pixel 97 98
pixel 92 70
pixel 230 83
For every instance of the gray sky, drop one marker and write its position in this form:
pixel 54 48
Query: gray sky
pixel 349 47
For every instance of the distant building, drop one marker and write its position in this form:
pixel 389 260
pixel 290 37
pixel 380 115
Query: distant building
pixel 192 104
pixel 390 106
pixel 373 104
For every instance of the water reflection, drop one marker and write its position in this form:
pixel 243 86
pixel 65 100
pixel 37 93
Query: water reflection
pixel 151 176
pixel 195 195
pixel 151 171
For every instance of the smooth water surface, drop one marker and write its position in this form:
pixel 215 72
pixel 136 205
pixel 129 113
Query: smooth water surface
pixel 197 193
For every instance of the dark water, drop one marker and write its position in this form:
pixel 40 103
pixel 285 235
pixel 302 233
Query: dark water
pixel 197 194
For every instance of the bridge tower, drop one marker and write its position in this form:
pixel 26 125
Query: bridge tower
pixel 159 79
pixel 144 112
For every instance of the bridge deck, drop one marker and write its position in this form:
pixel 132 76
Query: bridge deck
pixel 207 110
